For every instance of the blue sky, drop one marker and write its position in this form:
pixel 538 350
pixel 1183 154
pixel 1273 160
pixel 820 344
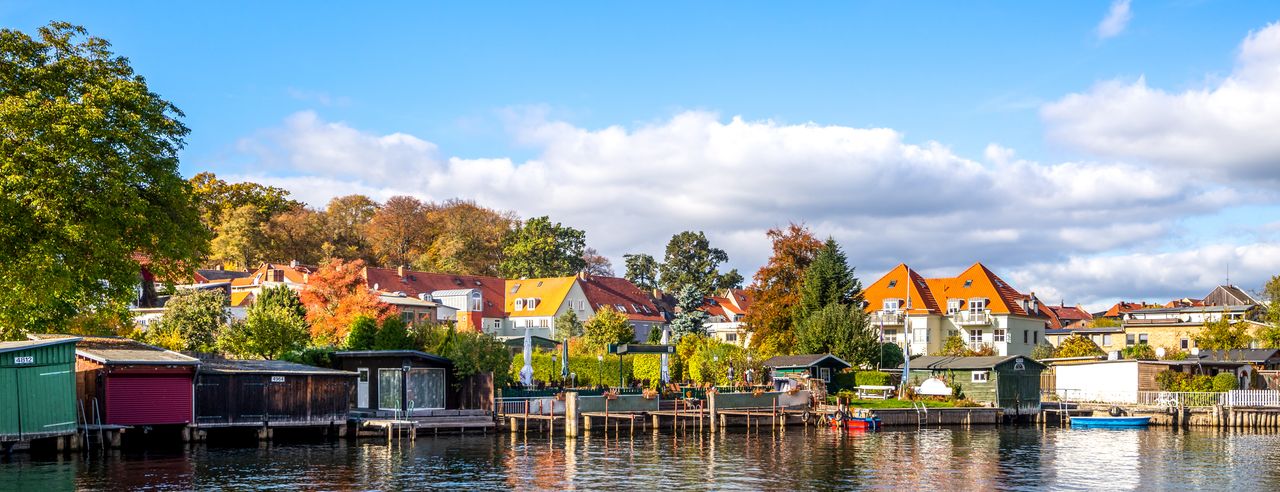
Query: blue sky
pixel 437 91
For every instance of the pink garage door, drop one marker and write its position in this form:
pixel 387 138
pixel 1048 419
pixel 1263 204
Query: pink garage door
pixel 148 400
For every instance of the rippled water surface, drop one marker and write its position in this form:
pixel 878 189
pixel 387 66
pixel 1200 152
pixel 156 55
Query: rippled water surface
pixel 991 458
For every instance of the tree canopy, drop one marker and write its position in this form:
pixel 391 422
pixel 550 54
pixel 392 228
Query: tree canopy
pixel 642 271
pixel 539 248
pixel 89 167
pixel 335 295
pixel 776 290
pixel 690 260
pixel 1223 334
pixel 605 327
pixel 1078 346
pixel 828 280
pixel 193 320
pixel 689 320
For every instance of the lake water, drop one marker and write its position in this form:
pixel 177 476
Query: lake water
pixel 984 458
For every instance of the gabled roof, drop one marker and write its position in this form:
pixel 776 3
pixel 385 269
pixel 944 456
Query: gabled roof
pixel 417 354
pixel 1061 316
pixel 549 293
pixel 930 296
pixel 117 350
pixel 803 360
pixel 614 291
pixel 292 273
pixel 934 362
pixel 1123 307
pixel 203 275
pixel 1229 295
pixel 415 282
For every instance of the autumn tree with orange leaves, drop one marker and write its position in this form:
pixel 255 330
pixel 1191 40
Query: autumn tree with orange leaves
pixel 776 290
pixel 335 296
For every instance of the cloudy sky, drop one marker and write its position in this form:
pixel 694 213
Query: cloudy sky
pixel 1086 151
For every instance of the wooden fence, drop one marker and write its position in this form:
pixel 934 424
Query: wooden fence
pixel 1253 398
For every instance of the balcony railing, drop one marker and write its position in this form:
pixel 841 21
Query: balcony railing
pixel 971 318
pixel 887 317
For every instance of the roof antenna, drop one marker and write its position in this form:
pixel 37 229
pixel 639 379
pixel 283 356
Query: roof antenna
pixel 1228 273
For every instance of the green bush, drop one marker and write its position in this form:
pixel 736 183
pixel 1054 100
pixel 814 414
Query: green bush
pixel 1224 381
pixel 843 381
pixel 311 356
pixel 874 378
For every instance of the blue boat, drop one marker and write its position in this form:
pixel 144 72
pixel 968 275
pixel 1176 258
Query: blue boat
pixel 1110 422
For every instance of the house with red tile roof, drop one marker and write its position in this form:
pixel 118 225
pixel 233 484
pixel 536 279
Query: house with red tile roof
pixel 470 300
pixel 977 305
pixel 1063 316
pixel 725 312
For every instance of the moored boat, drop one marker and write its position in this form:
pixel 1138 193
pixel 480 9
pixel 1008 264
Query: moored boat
pixel 856 423
pixel 1110 422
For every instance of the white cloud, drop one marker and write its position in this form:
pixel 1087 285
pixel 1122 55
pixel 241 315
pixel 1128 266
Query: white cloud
pixel 1224 132
pixel 1116 21
pixel 1100 281
pixel 885 199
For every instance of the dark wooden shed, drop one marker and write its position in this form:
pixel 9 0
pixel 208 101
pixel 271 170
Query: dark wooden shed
pixel 817 366
pixel 254 393
pixel 404 382
pixel 131 383
pixel 37 389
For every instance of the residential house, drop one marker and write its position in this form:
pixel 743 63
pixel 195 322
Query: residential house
pixel 473 301
pixel 976 305
pixel 1064 316
pixel 207 275
pixel 292 274
pixel 816 366
pixel 535 303
pixel 1119 309
pixel 725 313
pixel 1176 327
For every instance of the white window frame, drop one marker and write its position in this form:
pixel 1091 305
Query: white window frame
pixel 891 305
pixel 980 376
pixel 975 336
pixel 824 373
pixel 999 335
pixel 978 305
pixel 476 301
pixel 953 305
pixel 519 305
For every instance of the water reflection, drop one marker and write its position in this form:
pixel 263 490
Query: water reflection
pixel 1008 458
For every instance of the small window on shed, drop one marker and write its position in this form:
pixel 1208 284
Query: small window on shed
pixel 825 373
pixel 981 376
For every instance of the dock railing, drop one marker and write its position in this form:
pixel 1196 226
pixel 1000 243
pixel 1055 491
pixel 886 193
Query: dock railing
pixel 1253 398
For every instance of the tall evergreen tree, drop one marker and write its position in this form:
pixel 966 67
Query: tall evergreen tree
pixel 828 280
pixel 689 320
pixel 692 261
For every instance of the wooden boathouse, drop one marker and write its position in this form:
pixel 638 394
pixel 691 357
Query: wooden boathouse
pixel 397 382
pixel 1009 382
pixel 128 383
pixel 270 393
pixel 37 390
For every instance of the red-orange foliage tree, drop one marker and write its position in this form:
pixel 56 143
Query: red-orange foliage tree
pixel 776 289
pixel 335 295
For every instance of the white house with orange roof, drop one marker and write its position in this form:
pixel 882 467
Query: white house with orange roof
pixel 920 313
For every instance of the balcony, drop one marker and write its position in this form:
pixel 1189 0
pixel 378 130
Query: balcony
pixel 887 318
pixel 969 318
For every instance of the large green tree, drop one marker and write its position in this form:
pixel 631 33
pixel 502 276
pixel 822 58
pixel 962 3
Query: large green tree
pixel 215 197
pixel 642 271
pixel 690 260
pixel 239 243
pixel 267 331
pixel 828 280
pixel 468 238
pixel 567 326
pixel 193 320
pixel 776 290
pixel 1223 334
pixel 841 330
pixel 399 231
pixel 88 179
pixel 539 248
pixel 346 221
pixel 607 326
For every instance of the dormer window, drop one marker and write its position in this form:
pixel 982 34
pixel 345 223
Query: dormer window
pixel 892 305
pixel 954 305
pixel 519 304
pixel 968 283
pixel 531 303
pixel 515 288
pixel 621 308
pixel 977 305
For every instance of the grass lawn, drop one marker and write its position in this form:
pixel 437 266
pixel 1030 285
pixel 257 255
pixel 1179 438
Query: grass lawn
pixel 896 403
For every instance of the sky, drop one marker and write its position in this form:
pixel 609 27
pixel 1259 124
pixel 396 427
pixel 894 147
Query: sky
pixel 1086 151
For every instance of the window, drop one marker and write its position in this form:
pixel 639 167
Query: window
pixel 1185 344
pixel 975 336
pixel 892 305
pixel 893 283
pixel 1106 340
pixel 519 304
pixel 406 317
pixel 543 323
pixel 1026 336
pixel 954 305
pixel 515 288
pixel 621 308
pixel 977 305
pixel 997 335
pixel 1142 338
pixel 730 337
pixel 1129 339
pixel 920 335
pixel 1035 337
pixel 497 324
pixel 980 376
pixel 530 303
pixel 968 283
pixel 475 301
pixel 891 334
pixel 825 373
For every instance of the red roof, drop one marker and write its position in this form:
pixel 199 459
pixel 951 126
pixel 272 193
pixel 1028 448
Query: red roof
pixel 1064 316
pixel 1123 307
pixel 614 291
pixel 414 283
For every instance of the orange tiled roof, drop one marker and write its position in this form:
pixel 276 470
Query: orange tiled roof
pixel 930 296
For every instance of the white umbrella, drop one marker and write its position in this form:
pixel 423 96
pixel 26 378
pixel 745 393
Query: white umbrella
pixel 666 373
pixel 526 372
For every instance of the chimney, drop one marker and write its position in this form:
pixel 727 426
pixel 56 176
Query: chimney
pixel 657 293
pixel 582 275
pixel 293 263
pixel 400 271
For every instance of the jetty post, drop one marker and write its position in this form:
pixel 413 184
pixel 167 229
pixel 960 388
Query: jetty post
pixel 571 417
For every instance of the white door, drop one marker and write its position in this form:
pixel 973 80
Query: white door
pixel 362 388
